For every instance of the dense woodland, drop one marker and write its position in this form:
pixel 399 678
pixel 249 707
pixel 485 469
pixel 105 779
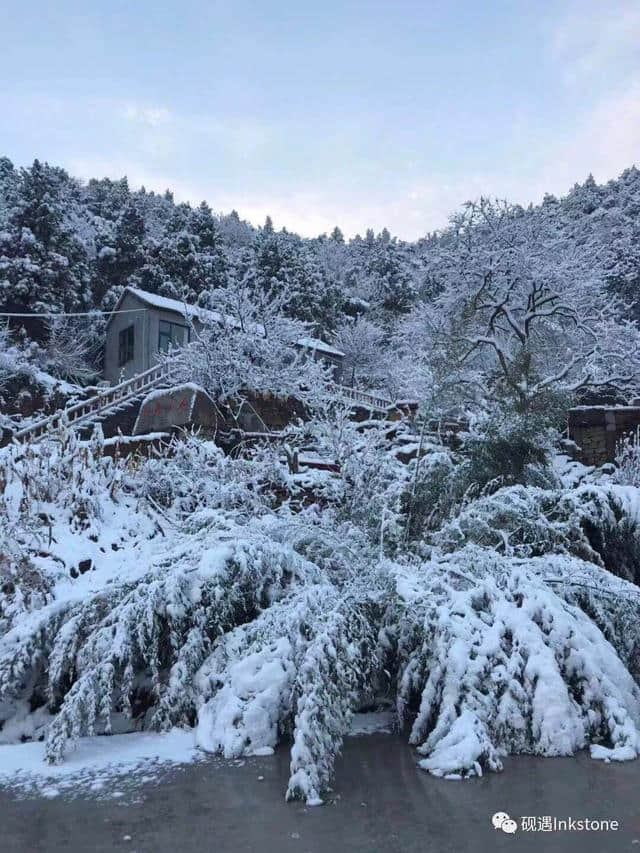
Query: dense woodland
pixel 483 586
pixel 69 246
pixel 66 246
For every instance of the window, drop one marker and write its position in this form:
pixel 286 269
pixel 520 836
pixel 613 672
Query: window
pixel 172 334
pixel 125 345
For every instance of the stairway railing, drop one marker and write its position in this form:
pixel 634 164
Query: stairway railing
pixel 369 401
pixel 99 404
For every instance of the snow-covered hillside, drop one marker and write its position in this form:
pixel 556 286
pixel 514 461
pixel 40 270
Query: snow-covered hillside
pixel 450 562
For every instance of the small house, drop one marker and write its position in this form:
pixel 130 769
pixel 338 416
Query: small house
pixel 143 325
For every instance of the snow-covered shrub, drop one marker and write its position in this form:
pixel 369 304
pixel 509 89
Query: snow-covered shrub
pixel 590 521
pixel 15 357
pixel 192 474
pixel 498 450
pixel 135 646
pixel 610 523
pixel 23 587
pixel 627 461
pixel 72 346
pixel 514 521
pixel 74 476
pixel 373 485
pixel 433 490
pixel 506 448
pixel 335 673
pixel 16 368
pixel 494 661
pixel 612 604
pixel 368 493
pixel 301 668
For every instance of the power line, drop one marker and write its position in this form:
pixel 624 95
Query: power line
pixel 75 313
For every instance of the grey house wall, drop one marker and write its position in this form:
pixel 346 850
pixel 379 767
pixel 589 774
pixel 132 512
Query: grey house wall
pixel 139 320
pixel 146 324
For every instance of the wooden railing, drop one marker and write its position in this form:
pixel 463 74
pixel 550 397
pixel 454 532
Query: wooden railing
pixel 100 404
pixel 368 401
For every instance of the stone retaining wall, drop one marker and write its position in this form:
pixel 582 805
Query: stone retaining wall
pixel 598 429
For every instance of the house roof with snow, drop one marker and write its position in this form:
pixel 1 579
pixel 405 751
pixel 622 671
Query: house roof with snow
pixel 317 344
pixel 165 303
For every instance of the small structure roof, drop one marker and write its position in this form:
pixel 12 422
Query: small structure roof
pixel 165 303
pixel 316 343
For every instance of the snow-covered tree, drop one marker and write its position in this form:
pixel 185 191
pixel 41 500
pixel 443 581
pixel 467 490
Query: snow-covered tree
pixel 527 311
pixel 249 344
pixel 72 347
pixel 362 343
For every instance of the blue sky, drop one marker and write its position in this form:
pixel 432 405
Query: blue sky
pixel 358 114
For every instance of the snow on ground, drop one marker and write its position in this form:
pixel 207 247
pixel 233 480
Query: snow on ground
pixel 115 766
pixel 134 439
pixel 54 383
pixel 106 767
pixel 373 722
pixel 569 471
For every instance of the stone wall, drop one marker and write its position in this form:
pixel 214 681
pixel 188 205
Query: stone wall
pixel 186 405
pixel 598 429
pixel 176 407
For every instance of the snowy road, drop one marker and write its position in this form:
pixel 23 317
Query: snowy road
pixel 381 803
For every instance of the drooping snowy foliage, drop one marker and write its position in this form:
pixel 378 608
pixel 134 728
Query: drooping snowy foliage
pixel 194 589
pixel 501 662
pixel 304 666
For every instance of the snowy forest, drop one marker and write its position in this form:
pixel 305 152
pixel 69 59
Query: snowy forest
pixel 456 566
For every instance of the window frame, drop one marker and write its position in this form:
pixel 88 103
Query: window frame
pixel 126 345
pixel 170 337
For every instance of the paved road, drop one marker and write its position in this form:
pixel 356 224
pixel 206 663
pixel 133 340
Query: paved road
pixel 381 803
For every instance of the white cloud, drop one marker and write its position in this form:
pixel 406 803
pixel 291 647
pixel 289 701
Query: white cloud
pixel 151 116
pixel 604 139
pixel 595 36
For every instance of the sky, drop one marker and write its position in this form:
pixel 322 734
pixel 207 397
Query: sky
pixel 361 114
